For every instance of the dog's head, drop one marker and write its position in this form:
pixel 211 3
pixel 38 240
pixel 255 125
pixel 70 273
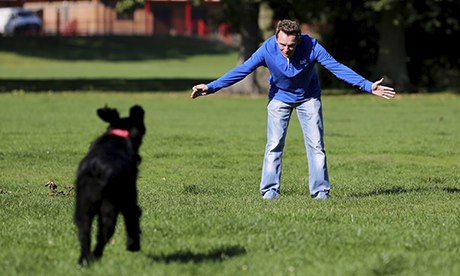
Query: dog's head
pixel 131 127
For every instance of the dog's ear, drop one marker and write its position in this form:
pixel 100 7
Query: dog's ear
pixel 137 113
pixel 108 115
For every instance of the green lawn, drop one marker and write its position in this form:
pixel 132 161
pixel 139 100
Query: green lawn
pixel 110 63
pixel 394 169
pixel 112 57
pixel 16 66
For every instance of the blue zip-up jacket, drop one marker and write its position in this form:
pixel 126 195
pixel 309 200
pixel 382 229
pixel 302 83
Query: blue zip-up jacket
pixel 292 80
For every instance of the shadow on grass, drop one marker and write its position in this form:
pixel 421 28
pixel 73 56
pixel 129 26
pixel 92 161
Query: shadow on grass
pixel 452 190
pixel 402 190
pixel 215 255
pixel 110 48
pixel 111 84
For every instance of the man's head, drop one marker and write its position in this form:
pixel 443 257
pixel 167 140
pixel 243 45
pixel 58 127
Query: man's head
pixel 287 36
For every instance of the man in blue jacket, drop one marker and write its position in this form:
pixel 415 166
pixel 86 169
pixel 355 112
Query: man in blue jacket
pixel 291 57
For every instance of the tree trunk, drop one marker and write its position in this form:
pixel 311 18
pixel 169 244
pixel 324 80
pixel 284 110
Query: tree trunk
pixel 250 17
pixel 391 61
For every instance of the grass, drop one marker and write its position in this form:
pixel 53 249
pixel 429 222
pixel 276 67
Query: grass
pixel 112 57
pixel 393 166
pixel 110 63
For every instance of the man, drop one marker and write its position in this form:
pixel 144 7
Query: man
pixel 294 85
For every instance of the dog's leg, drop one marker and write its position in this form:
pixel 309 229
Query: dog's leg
pixel 83 221
pixel 132 224
pixel 107 221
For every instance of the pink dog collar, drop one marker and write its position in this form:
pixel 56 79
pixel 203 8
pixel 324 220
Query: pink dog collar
pixel 119 132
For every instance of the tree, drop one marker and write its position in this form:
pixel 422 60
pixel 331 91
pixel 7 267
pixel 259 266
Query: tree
pixel 247 25
pixel 396 31
pixel 377 32
pixel 377 36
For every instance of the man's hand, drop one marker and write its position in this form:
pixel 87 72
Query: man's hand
pixel 382 91
pixel 199 90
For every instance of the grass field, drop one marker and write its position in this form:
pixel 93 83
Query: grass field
pixel 110 63
pixel 394 168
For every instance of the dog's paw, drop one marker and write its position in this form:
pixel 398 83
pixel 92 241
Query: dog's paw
pixel 85 261
pixel 134 247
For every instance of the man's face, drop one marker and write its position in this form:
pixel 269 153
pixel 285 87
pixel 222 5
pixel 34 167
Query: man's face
pixel 287 44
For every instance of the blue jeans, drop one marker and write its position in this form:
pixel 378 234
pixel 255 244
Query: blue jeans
pixel 311 121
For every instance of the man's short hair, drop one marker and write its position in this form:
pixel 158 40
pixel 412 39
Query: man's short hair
pixel 289 27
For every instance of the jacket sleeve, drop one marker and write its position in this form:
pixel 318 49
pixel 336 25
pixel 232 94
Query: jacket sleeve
pixel 341 71
pixel 238 73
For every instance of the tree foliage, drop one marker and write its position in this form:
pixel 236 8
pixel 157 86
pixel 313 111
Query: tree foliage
pixel 385 37
pixel 125 6
pixel 375 36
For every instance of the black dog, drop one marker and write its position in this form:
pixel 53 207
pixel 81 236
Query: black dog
pixel 106 183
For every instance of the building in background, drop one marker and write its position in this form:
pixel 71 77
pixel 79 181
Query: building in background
pixel 99 17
